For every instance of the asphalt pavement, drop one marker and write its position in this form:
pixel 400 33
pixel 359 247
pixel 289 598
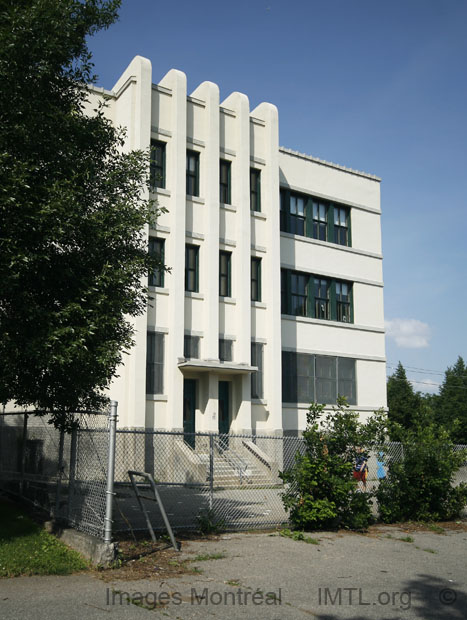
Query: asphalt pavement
pixel 386 575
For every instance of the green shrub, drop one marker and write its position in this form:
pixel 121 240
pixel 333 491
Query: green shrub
pixel 321 491
pixel 419 484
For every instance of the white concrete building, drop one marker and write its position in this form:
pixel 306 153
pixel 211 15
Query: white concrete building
pixel 275 294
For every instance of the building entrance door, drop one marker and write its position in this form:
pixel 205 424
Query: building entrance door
pixel 189 411
pixel 224 412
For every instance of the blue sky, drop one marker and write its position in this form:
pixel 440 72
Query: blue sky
pixel 376 86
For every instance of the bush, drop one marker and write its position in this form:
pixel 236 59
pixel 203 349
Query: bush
pixel 321 490
pixel 419 485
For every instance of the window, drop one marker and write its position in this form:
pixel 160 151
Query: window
pixel 321 295
pixel 191 347
pixel 297 215
pixel 255 189
pixel 224 179
pixel 297 377
pixel 298 294
pixel 321 378
pixel 325 379
pixel 192 173
pixel 224 274
pixel 341 225
pixel 257 377
pixel 346 379
pixel 343 304
pixel 156 248
pixel 255 279
pixel 191 268
pixel 320 221
pixel 316 218
pixel 304 294
pixel 225 350
pixel 157 164
pixel 155 363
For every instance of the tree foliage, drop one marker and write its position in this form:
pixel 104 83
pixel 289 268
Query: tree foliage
pixel 451 404
pixel 403 402
pixel 419 484
pixel 73 210
pixel 321 489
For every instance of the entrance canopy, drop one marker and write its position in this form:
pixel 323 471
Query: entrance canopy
pixel 225 368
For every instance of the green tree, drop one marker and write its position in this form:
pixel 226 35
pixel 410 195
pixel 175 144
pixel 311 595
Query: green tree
pixel 403 403
pixel 451 405
pixel 321 490
pixel 73 210
pixel 421 472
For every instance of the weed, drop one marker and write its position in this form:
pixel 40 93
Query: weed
pixel 208 523
pixel 297 535
pixel 407 539
pixel 430 550
pixel 436 528
pixel 209 556
pixel 233 582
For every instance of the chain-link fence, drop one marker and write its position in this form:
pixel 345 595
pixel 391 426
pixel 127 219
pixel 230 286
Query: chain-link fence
pixel 62 472
pixel 204 480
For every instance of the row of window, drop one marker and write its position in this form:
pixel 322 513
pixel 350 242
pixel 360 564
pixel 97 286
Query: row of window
pixel 156 278
pixel 317 378
pixel 305 377
pixel 305 294
pixel 155 361
pixel 300 214
pixel 315 218
pixel 157 176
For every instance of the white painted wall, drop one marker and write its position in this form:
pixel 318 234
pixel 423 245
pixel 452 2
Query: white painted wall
pixel 229 130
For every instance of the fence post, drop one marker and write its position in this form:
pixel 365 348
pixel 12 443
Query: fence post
pixel 23 453
pixel 59 473
pixel 71 482
pixel 211 470
pixel 110 471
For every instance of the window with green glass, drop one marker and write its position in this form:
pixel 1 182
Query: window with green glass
pixel 343 302
pixel 341 225
pixel 321 298
pixel 320 220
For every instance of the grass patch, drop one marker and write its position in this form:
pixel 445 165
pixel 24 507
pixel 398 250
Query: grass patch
pixel 407 539
pixel 436 528
pixel 430 550
pixel 204 557
pixel 27 549
pixel 297 535
pixel 233 582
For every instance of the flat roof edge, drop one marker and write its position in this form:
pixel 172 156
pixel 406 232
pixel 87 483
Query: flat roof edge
pixel 322 162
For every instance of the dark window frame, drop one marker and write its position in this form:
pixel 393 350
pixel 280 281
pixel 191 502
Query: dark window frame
pixel 157 164
pixel 191 346
pixel 191 251
pixel 307 377
pixel 225 350
pixel 255 278
pixel 155 362
pixel 192 176
pixel 301 296
pixel 156 278
pixel 257 378
pixel 329 227
pixel 225 275
pixel 255 190
pixel 225 196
